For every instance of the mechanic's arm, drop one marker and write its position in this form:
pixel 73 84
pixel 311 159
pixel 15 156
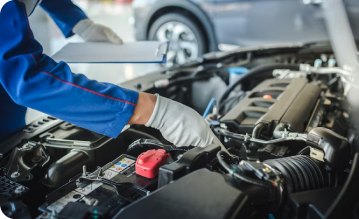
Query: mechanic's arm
pixel 71 19
pixel 34 80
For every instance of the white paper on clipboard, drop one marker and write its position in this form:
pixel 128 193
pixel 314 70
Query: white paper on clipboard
pixel 95 52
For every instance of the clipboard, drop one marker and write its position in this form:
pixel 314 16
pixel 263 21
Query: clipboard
pixel 100 52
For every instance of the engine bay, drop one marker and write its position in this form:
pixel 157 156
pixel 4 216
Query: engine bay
pixel 290 135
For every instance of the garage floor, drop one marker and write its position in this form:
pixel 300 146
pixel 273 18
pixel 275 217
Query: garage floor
pixel 114 15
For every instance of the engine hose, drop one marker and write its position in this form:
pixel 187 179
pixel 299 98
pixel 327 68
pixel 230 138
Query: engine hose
pixel 300 172
pixel 241 137
pixel 223 163
pixel 141 145
pixel 304 151
pixel 137 133
pixel 258 129
pixel 254 72
pixel 226 133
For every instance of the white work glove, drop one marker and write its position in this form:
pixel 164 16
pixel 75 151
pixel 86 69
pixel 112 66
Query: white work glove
pixel 180 124
pixel 92 32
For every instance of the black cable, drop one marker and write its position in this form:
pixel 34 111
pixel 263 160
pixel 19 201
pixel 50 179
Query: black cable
pixel 233 99
pixel 188 78
pixel 141 133
pixel 258 129
pixel 304 151
pixel 140 145
pixel 256 71
pixel 233 103
pixel 241 177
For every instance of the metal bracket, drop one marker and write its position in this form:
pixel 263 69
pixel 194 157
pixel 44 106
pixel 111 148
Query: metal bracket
pixel 164 52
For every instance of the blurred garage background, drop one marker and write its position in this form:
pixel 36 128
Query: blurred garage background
pixel 193 27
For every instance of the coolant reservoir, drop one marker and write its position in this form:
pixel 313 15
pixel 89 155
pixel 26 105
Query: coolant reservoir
pixel 235 73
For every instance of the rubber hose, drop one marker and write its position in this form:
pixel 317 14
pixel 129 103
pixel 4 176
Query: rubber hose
pixel 304 151
pixel 142 145
pixel 258 129
pixel 141 133
pixel 300 172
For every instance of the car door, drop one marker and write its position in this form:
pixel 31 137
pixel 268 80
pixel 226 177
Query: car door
pixel 261 22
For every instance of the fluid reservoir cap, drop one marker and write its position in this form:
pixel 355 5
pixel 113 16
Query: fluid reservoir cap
pixel 237 70
pixel 235 73
pixel 149 162
pixel 267 96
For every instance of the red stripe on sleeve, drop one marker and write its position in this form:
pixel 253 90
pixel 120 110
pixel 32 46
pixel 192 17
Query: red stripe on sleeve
pixel 103 95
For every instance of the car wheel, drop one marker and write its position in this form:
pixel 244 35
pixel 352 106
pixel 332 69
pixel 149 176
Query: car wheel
pixel 187 41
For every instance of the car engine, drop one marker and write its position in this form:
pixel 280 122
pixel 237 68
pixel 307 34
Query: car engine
pixel 290 135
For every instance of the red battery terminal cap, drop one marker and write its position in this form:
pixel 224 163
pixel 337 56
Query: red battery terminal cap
pixel 148 163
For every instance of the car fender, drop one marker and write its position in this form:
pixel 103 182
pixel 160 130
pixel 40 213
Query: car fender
pixel 192 8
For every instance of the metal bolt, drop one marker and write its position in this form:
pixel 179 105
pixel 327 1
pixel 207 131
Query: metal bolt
pixel 19 189
pixel 84 170
pixel 15 174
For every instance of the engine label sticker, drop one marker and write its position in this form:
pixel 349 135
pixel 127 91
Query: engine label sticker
pixel 73 196
pixel 62 202
pixel 121 165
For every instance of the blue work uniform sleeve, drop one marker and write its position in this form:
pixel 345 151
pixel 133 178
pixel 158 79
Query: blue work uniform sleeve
pixel 65 14
pixel 34 80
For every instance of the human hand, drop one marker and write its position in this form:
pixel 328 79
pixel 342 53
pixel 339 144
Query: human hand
pixel 92 32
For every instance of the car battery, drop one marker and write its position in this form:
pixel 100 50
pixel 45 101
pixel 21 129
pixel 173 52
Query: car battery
pixel 100 193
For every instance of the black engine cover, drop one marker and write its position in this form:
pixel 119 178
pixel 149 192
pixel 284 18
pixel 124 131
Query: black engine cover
pixel 289 101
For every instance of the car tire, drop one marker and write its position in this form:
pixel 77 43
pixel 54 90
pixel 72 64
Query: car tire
pixel 190 28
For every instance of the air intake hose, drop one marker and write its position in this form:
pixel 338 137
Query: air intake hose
pixel 301 173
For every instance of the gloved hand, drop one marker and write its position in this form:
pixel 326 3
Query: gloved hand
pixel 180 124
pixel 92 32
